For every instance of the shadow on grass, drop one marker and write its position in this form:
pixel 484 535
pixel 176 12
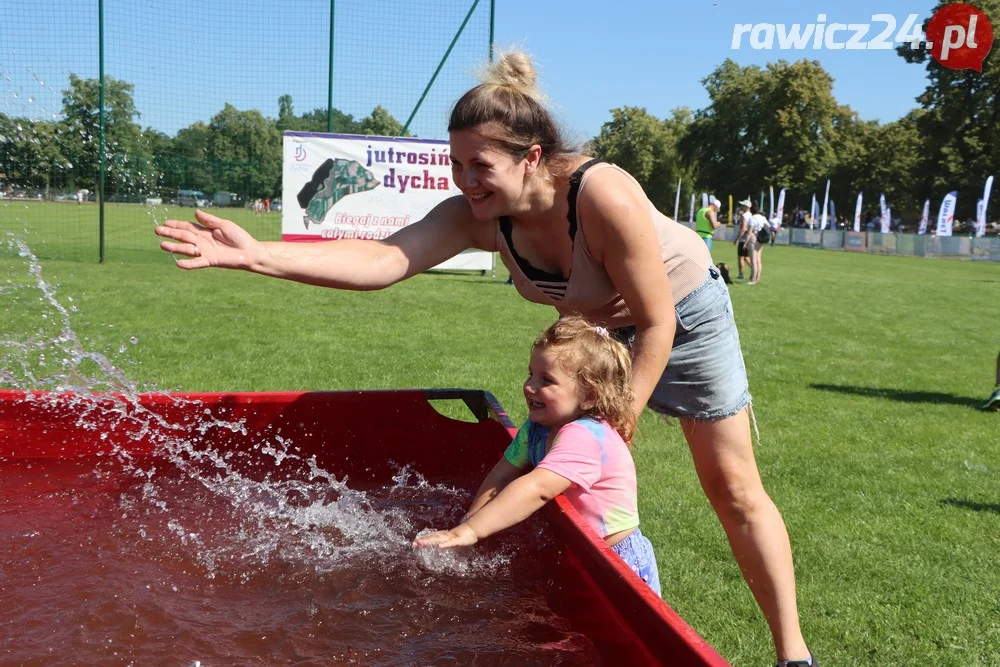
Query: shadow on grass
pixel 971 505
pixel 902 395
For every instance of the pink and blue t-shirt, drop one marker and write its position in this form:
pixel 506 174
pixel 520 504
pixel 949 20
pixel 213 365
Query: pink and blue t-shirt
pixel 592 455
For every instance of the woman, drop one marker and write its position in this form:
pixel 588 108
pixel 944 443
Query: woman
pixel 582 236
pixel 743 215
pixel 753 245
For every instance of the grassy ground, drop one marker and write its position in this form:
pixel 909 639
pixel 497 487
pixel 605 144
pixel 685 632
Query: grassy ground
pixel 866 372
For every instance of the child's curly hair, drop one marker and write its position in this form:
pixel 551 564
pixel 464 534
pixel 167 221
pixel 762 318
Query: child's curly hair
pixel 602 366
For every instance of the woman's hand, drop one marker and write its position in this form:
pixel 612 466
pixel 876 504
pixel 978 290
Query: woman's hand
pixel 459 536
pixel 214 242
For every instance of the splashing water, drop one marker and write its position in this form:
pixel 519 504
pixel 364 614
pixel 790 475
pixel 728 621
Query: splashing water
pixel 318 520
pixel 269 564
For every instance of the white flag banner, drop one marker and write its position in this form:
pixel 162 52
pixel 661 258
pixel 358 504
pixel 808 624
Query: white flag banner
pixel 826 199
pixel 677 200
pixel 780 213
pixel 337 186
pixel 981 217
pixel 833 215
pixel 924 217
pixel 770 210
pixel 813 212
pixel 691 212
pixel 704 199
pixel 857 213
pixel 946 214
pixel 886 221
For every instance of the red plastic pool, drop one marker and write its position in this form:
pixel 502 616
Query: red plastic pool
pixel 363 435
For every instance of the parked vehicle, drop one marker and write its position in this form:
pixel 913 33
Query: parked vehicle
pixel 192 198
pixel 226 199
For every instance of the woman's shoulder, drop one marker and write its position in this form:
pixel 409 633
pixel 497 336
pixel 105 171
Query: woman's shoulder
pixel 609 189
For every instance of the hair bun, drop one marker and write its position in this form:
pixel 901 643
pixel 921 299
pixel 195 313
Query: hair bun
pixel 514 70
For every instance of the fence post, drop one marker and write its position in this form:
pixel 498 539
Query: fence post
pixel 329 88
pixel 100 103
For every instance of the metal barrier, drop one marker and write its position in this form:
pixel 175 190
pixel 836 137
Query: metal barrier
pixel 986 248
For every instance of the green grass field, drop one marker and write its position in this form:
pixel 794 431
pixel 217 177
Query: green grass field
pixel 866 373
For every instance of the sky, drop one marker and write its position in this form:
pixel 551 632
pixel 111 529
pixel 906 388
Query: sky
pixel 591 56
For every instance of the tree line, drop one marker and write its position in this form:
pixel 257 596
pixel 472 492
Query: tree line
pixel 236 151
pixel 781 126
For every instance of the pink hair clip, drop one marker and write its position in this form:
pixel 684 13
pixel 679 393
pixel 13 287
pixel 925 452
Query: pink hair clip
pixel 601 330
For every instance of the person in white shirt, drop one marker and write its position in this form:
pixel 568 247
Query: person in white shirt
pixel 754 244
pixel 743 221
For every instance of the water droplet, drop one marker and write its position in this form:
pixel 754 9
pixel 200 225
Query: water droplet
pixel 133 340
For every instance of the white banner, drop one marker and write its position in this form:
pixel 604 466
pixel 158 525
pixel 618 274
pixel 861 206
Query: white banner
pixel 886 221
pixel 704 199
pixel 946 214
pixel 980 219
pixel 857 213
pixel 826 198
pixel 770 209
pixel 780 213
pixel 981 215
pixel 691 212
pixel 338 186
pixel 677 200
pixel 924 217
pixel 813 212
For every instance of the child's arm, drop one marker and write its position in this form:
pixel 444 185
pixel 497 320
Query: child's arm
pixel 503 473
pixel 516 502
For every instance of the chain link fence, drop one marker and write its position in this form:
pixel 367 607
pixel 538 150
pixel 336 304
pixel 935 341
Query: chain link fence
pixel 115 111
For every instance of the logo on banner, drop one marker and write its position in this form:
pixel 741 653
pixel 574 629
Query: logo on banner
pixel 300 153
pixel 331 182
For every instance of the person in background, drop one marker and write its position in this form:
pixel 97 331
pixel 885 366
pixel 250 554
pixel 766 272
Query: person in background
pixel 743 228
pixel 706 221
pixel 574 443
pixel 579 235
pixel 757 224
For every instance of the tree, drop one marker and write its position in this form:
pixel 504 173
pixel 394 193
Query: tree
pixel 129 169
pixel 313 121
pixel 246 149
pixel 961 126
pixel 647 148
pixel 30 156
pixel 185 164
pixel 876 159
pixel 381 123
pixel 772 125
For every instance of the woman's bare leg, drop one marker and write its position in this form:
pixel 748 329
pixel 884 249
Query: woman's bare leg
pixel 724 460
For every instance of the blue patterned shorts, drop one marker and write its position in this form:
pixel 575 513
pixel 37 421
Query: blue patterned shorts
pixel 637 552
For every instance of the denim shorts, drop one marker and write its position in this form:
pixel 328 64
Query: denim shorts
pixel 705 378
pixel 637 552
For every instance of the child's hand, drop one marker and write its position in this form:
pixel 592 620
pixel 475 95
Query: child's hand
pixel 459 536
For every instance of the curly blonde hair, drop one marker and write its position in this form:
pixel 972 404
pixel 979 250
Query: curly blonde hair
pixel 603 368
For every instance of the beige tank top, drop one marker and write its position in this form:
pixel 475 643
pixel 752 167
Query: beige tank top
pixel 589 290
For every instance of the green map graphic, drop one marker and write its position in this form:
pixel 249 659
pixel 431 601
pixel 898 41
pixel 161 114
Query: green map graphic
pixel 331 182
